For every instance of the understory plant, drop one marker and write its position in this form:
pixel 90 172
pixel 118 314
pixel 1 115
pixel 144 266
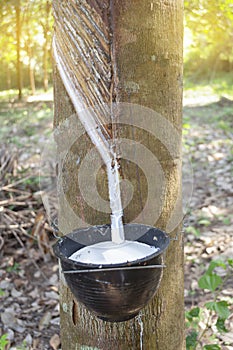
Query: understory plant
pixel 3 342
pixel 209 320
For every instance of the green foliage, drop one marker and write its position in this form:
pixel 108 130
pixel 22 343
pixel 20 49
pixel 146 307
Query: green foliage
pixel 214 264
pixel 27 119
pixel 212 347
pixel 221 308
pixel 32 181
pixel 191 340
pixel 14 268
pixel 193 230
pixel 36 23
pixel 3 341
pixel 208 37
pixel 193 313
pixel 214 312
pixel 23 346
pixel 204 222
pixel 210 281
pixel 220 324
pixel 226 221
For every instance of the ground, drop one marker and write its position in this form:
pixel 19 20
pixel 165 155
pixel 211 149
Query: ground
pixel 208 122
pixel 29 270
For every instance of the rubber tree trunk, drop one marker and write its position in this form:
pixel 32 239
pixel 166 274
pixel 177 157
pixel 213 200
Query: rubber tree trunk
pixel 146 69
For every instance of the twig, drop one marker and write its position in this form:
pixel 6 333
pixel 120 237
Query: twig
pixel 19 215
pixel 209 200
pixel 207 326
pixel 15 200
pixel 29 255
pixel 18 239
pixel 1 242
pixel 14 190
pixel 16 226
pixel 48 228
pixel 16 183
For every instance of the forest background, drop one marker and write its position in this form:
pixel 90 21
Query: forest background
pixel 26 36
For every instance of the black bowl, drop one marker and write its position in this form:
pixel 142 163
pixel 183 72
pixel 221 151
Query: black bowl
pixel 114 292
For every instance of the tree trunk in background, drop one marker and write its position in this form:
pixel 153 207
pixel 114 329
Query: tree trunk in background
pixel 31 72
pixel 46 46
pixel 8 72
pixel 30 53
pixel 30 59
pixel 18 49
pixel 147 66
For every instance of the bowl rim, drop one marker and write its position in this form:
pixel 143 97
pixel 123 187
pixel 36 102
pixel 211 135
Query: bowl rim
pixel 81 265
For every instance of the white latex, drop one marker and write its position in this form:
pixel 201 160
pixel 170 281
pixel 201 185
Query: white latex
pixel 108 252
pixel 86 116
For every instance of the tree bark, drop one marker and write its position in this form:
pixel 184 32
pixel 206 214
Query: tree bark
pixel 146 69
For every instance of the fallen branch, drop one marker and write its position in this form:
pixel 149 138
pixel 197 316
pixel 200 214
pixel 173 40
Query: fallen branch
pixel 14 184
pixel 16 226
pixel 15 200
pixel 212 199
